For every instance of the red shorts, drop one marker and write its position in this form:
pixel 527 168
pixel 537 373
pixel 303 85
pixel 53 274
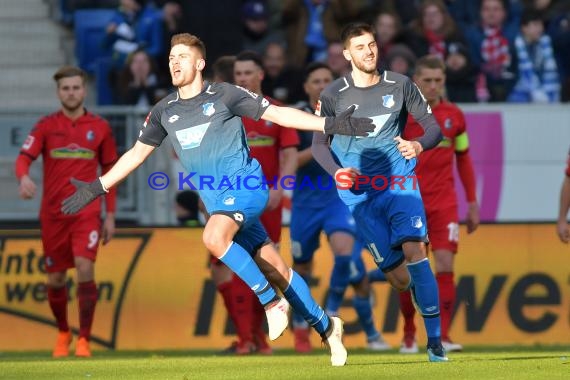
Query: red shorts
pixel 443 229
pixel 271 221
pixel 65 238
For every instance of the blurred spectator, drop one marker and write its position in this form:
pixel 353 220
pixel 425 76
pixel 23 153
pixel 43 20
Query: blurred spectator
pixel 312 24
pixel 256 33
pixel 538 80
pixel 281 81
pixel 139 83
pixel 388 27
pixel 559 31
pixel 433 30
pixel 400 59
pixel 339 65
pixel 223 69
pixel 406 10
pixel 460 74
pixel 491 49
pixel 135 25
pixel 464 12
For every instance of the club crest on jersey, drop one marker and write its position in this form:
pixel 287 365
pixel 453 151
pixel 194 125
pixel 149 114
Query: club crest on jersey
pixel 208 109
pixel 90 136
pixel 417 221
pixel 447 123
pixel 229 200
pixel 388 101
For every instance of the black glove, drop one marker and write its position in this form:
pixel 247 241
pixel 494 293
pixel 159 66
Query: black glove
pixel 85 194
pixel 344 124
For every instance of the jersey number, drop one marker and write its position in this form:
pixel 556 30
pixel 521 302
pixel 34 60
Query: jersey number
pixel 375 253
pixel 93 239
pixel 453 229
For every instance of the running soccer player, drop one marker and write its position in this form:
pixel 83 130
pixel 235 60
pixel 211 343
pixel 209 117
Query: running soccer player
pixel 316 207
pixel 204 124
pixel 377 171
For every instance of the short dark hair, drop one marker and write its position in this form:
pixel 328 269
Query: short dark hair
pixel 430 61
pixel 355 29
pixel 190 41
pixel 250 55
pixel 68 72
pixel 314 66
pixel 223 68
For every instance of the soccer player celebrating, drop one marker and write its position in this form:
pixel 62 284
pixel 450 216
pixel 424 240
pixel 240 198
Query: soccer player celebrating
pixel 204 124
pixel 73 143
pixel 316 207
pixel 435 176
pixel 377 171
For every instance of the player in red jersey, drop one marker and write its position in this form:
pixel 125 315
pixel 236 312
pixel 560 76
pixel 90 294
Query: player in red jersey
pixel 275 148
pixel 73 143
pixel 563 229
pixel 436 180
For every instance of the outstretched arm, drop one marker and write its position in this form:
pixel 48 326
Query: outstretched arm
pixel 86 193
pixel 343 124
pixel 128 162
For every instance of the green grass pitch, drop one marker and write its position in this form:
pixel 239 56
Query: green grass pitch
pixel 480 363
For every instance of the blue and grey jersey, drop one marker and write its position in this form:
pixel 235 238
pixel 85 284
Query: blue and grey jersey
pixel 387 104
pixel 314 187
pixel 208 136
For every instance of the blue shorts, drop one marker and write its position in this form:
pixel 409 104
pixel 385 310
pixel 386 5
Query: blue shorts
pixel 251 237
pixel 387 220
pixel 307 224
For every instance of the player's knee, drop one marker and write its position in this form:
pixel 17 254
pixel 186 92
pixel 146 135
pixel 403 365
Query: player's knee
pixel 214 242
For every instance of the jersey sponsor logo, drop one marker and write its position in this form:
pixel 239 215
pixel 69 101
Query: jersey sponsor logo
pixel 255 139
pixel 379 121
pixel 72 151
pixel 229 200
pixel 208 109
pixel 173 118
pixel 252 94
pixel 417 222
pixel 190 138
pixel 29 142
pixel 388 101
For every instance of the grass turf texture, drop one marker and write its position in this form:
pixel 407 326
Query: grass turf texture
pixel 479 363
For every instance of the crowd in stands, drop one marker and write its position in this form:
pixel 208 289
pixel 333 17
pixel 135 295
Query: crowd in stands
pixel 495 50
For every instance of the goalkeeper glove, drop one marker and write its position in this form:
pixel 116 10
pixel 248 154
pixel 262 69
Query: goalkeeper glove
pixel 85 193
pixel 344 124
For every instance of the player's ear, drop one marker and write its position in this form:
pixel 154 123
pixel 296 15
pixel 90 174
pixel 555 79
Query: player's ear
pixel 200 64
pixel 346 54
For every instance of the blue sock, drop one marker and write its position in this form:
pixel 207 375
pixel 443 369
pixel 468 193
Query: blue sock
pixel 364 311
pixel 340 278
pixel 376 275
pixel 296 318
pixel 299 296
pixel 240 262
pixel 425 295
